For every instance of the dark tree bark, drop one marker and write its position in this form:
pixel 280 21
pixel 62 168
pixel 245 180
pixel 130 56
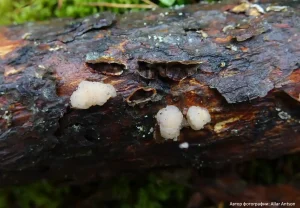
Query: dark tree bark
pixel 243 69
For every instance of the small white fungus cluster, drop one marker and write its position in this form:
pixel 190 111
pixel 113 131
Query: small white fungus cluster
pixel 197 117
pixel 91 93
pixel 171 120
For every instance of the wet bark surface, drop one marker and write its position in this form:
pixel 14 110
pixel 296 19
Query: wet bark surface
pixel 243 69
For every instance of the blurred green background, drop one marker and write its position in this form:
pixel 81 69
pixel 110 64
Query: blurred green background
pixel 156 189
pixel 20 11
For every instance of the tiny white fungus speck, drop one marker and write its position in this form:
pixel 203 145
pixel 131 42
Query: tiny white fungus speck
pixel 184 145
pixel 91 93
pixel 197 117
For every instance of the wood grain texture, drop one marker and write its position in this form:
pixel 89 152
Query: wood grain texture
pixel 246 76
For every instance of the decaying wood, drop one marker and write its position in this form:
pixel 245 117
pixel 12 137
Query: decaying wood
pixel 243 69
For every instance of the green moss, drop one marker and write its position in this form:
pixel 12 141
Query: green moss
pixel 150 192
pixel 153 190
pixel 40 194
pixel 37 10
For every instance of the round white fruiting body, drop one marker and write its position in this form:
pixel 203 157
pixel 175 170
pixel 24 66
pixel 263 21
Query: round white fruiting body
pixel 197 117
pixel 169 120
pixel 91 93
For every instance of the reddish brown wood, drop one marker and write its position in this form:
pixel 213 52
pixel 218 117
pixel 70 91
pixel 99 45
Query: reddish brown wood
pixel 247 77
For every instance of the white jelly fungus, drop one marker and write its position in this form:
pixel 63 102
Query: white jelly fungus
pixel 169 120
pixel 197 117
pixel 91 93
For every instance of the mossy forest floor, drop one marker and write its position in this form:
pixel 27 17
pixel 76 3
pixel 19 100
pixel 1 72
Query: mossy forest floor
pixel 36 10
pixel 156 189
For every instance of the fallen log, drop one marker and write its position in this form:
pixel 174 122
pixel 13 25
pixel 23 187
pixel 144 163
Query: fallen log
pixel 244 69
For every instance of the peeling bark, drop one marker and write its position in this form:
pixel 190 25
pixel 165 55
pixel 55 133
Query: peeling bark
pixel 247 77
